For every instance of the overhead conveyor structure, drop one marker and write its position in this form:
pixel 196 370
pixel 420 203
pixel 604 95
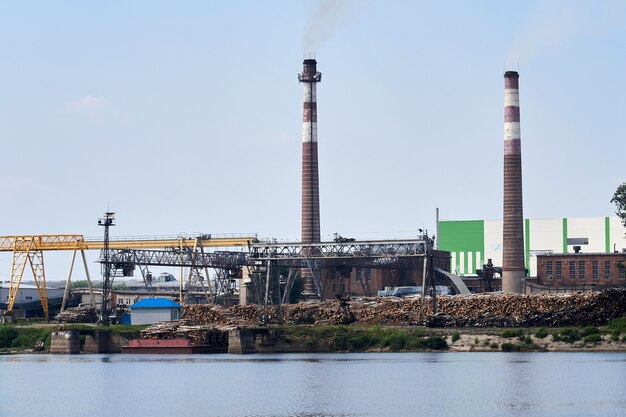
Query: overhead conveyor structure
pixel 29 249
pixel 189 252
pixel 228 265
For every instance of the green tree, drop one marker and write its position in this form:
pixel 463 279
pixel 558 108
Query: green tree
pixel 82 283
pixel 619 198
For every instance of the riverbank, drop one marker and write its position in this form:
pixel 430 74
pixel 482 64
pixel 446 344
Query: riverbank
pixel 392 339
pixel 362 338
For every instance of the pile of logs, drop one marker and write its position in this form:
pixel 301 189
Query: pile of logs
pixel 208 314
pixel 509 310
pixel 476 310
pixel 77 315
pixel 183 329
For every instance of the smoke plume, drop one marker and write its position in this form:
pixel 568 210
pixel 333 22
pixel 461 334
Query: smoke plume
pixel 326 16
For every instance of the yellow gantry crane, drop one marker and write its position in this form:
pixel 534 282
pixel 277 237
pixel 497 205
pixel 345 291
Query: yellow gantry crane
pixel 28 249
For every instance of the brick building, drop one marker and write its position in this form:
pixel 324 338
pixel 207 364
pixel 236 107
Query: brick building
pixel 346 282
pixel 582 269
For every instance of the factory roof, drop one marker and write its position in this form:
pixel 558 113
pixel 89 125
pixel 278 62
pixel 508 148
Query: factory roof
pixel 156 303
pixel 7 284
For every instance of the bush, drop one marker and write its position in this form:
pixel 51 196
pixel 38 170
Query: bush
pixel 510 333
pixel 615 335
pixel 494 345
pixel 434 342
pixel 7 335
pixel 516 347
pixel 23 338
pixel 618 324
pixel 455 336
pixel 510 347
pixel 527 340
pixel 567 335
pixel 395 341
pixel 593 338
pixel 541 333
pixel 590 330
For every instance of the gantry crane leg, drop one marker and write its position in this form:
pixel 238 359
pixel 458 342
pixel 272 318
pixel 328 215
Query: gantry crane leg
pixel 18 263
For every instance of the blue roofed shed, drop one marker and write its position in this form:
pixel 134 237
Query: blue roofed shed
pixel 151 310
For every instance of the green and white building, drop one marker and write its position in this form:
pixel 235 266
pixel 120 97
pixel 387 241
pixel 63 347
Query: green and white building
pixel 472 242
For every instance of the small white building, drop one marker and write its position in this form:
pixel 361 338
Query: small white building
pixel 151 310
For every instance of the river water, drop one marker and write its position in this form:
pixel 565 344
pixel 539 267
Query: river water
pixel 307 385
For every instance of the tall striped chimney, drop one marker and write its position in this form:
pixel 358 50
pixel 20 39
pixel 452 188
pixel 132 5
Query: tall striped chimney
pixel 513 269
pixel 310 178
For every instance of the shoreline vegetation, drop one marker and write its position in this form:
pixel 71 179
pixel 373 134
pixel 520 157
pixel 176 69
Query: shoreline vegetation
pixel 339 338
pixel 31 338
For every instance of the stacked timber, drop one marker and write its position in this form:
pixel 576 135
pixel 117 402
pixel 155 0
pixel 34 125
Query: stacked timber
pixel 77 315
pixel 508 310
pixel 207 314
pixel 475 310
pixel 183 329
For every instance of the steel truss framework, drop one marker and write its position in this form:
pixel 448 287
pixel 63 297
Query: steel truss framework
pixel 335 250
pixel 393 254
pixel 363 255
pixel 227 264
pixel 30 248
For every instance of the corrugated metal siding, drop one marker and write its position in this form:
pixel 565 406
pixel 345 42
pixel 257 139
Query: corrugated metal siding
pixel 150 315
pixel 546 235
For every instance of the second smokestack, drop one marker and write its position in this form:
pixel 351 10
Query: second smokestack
pixel 513 269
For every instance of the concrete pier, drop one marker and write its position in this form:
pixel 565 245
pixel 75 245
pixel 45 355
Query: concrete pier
pixel 65 342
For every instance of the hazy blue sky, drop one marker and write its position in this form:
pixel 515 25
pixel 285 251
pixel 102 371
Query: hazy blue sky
pixel 186 116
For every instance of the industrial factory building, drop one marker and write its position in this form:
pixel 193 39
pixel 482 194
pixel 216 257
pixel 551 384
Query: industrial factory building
pixel 359 282
pixel 472 242
pixel 27 300
pixel 582 270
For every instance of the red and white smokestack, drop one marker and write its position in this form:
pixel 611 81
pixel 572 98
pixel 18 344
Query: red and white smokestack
pixel 513 269
pixel 310 177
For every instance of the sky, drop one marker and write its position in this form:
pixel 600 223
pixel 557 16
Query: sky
pixel 185 117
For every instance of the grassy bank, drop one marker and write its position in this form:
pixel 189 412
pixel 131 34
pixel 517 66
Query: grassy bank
pixel 21 337
pixel 361 338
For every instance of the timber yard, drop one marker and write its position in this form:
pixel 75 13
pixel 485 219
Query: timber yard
pixel 318 208
pixel 245 294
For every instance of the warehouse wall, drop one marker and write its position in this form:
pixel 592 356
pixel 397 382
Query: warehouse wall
pixel 472 242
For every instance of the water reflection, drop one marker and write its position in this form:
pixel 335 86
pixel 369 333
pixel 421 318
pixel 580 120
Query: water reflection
pixel 328 385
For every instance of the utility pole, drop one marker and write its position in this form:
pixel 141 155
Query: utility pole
pixel 107 221
pixel 427 275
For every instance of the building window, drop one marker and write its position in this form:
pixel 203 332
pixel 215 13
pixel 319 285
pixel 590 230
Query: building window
pixel 595 270
pixel 28 298
pixel 581 269
pixel 607 269
pixel 572 269
pixel 621 270
pixel 343 287
pixel 334 290
pixel 549 269
pixel 559 269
